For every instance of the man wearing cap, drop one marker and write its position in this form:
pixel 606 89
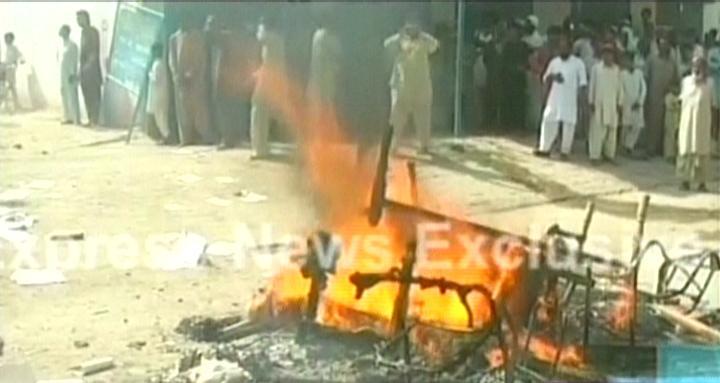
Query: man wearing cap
pixel 566 78
pixel 605 100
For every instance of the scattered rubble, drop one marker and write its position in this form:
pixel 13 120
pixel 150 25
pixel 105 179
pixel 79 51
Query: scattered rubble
pixel 206 329
pixel 137 345
pixel 81 344
pixel 70 235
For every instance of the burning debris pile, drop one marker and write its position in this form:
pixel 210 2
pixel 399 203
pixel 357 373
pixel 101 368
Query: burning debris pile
pixel 390 290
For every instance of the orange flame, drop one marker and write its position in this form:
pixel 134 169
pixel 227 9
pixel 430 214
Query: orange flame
pixel 343 185
pixel 621 311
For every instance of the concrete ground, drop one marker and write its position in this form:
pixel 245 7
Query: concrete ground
pixel 89 180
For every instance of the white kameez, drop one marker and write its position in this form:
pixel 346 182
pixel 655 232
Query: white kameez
pixel 69 59
pixel 562 102
pixel 698 101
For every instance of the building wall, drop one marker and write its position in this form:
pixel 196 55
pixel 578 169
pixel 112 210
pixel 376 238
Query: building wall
pixel 551 12
pixel 711 16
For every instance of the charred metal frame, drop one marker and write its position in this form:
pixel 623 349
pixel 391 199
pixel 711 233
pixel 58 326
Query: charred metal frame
pixel 555 240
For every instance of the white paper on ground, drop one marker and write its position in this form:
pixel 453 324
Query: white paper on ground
pixel 178 252
pixel 37 277
pixel 15 220
pixel 251 197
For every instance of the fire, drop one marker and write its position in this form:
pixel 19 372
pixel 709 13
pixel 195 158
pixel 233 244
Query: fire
pixel 544 350
pixel 621 312
pixel 342 182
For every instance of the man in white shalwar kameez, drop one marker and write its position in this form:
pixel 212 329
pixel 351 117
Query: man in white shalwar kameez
pixel 69 60
pixel 605 100
pixel 262 112
pixel 566 78
pixel 699 105
pixel 410 84
pixel 635 91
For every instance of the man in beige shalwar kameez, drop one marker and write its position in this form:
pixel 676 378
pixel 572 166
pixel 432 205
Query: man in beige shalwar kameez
pixel 696 120
pixel 605 100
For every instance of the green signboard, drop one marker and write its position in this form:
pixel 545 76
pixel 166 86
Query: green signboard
pixel 137 28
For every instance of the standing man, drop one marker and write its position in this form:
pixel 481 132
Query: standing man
pixel 410 83
pixel 661 73
pixel 514 59
pixel 233 60
pixel 324 68
pixel 12 59
pixel 699 107
pixel 90 71
pixel 635 91
pixel 272 55
pixel 605 100
pixel 156 118
pixel 188 65
pixel 69 57
pixel 566 79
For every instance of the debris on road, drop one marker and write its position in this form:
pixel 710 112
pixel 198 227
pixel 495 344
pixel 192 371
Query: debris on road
pixel 250 197
pixel 206 329
pixel 2 346
pixel 81 344
pixel 97 365
pixel 687 323
pixel 37 277
pixel 137 345
pixel 74 235
pixel 217 371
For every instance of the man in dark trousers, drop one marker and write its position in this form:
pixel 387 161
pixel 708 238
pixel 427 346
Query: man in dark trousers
pixel 90 72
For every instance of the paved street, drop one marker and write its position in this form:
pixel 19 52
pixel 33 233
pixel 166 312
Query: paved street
pixel 90 181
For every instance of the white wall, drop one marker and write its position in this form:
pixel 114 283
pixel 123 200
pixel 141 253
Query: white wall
pixel 36 25
pixel 711 16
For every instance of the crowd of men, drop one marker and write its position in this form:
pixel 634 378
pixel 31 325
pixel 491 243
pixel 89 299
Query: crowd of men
pixel 639 93
pixel 238 68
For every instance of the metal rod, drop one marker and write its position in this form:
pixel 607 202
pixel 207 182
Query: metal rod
pixel 637 240
pixel 459 67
